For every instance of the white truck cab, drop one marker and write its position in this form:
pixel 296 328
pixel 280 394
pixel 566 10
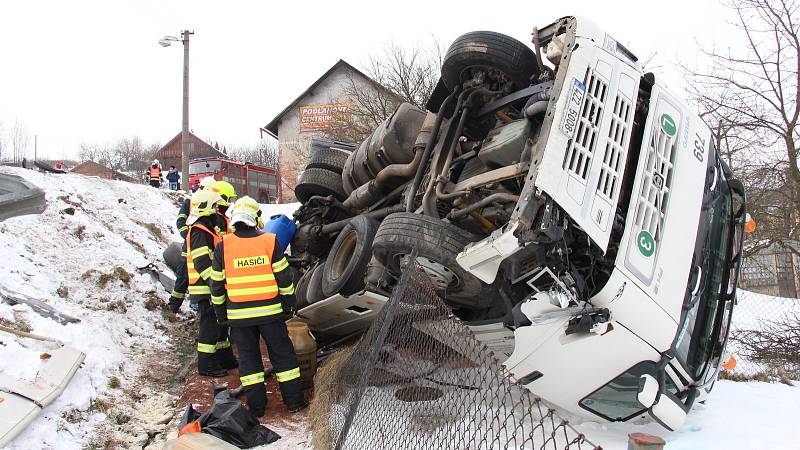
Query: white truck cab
pixel 651 340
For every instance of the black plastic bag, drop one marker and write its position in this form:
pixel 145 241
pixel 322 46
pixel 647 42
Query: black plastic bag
pixel 228 420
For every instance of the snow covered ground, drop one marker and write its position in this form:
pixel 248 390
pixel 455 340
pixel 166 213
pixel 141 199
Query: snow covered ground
pixel 737 416
pixel 81 255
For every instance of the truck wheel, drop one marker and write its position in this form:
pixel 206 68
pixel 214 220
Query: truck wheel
pixel 301 289
pixel 331 159
pixel 319 182
pixel 314 292
pixel 487 49
pixel 437 244
pixel 346 266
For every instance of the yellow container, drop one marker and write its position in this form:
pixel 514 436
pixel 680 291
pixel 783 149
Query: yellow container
pixel 305 346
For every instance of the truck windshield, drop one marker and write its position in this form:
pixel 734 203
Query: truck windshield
pixel 695 343
pixel 203 167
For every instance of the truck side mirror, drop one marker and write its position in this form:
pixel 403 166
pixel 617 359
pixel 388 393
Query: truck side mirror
pixel 648 390
pixel 664 407
pixel 668 412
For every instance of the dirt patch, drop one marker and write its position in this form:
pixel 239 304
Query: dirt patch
pixel 153 302
pixel 67 200
pixel 117 305
pixel 118 273
pixel 138 246
pixel 69 210
pixel 154 230
pixel 21 323
pixel 78 233
pixel 292 427
pixel 62 291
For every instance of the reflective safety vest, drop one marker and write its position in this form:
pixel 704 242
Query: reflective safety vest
pixel 155 173
pixel 248 268
pixel 197 285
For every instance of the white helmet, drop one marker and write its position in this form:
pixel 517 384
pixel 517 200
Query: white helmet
pixel 246 211
pixel 206 182
pixel 155 162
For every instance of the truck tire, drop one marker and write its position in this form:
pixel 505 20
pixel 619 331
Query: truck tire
pixel 301 289
pixel 346 266
pixel 478 49
pixel 328 158
pixel 314 291
pixel 437 243
pixel 319 182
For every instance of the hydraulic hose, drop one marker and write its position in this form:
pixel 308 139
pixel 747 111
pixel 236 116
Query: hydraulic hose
pixel 451 151
pixel 500 197
pixel 426 154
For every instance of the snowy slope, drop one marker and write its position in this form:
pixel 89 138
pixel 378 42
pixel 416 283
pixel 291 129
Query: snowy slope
pixel 84 264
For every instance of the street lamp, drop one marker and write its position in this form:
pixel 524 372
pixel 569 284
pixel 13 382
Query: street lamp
pixel 166 41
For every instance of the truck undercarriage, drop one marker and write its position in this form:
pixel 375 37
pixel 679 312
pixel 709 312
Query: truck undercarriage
pixel 536 186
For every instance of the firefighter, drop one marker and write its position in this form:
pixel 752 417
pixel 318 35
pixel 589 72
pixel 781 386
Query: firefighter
pixel 228 195
pixel 214 353
pixel 181 278
pixel 155 174
pixel 252 292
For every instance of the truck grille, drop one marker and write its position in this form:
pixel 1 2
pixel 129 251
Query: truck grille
pixel 578 157
pixel 655 189
pixel 616 148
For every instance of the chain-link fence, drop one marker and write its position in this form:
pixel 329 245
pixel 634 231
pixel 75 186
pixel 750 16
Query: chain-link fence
pixel 765 336
pixel 420 379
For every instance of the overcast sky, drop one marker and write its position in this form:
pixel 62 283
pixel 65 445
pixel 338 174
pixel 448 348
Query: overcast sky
pixel 92 71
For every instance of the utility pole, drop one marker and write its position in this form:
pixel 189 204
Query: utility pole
pixel 185 129
pixel 35 146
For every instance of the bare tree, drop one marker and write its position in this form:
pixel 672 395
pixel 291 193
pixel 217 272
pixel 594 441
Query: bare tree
pixel 774 343
pixel 402 74
pixel 263 153
pixel 751 96
pixel 128 154
pixel 19 138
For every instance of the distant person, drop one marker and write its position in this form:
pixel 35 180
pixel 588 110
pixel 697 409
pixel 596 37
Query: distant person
pixel 173 177
pixel 154 174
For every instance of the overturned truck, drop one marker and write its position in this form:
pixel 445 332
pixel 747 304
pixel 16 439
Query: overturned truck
pixel 566 205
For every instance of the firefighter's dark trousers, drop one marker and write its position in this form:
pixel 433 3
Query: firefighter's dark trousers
pixel 282 357
pixel 155 183
pixel 181 282
pixel 213 346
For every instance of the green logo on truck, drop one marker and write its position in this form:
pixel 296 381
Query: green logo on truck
pixel 646 243
pixel 668 125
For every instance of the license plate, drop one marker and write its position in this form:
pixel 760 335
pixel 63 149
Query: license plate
pixel 572 113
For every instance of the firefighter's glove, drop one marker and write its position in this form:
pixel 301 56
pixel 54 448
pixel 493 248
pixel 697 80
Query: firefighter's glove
pixel 289 306
pixel 222 316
